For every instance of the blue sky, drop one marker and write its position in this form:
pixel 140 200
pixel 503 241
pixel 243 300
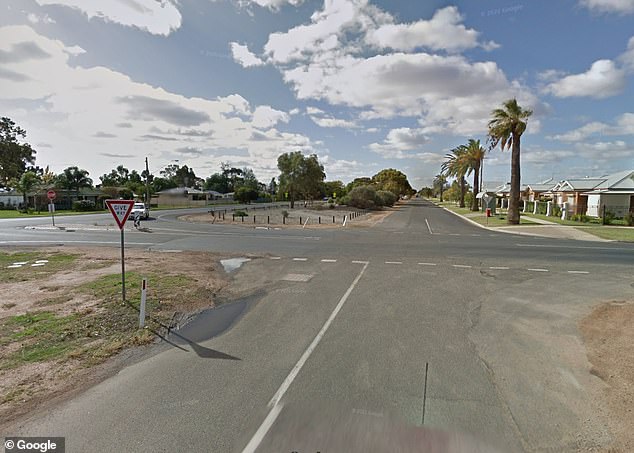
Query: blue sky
pixel 364 84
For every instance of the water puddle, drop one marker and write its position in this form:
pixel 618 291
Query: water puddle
pixel 232 264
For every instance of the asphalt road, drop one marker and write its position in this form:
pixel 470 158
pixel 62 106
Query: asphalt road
pixel 361 340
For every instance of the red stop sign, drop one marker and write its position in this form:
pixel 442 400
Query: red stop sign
pixel 51 194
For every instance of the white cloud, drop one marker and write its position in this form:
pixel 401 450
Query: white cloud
pixel 627 57
pixel 73 109
pixel 273 5
pixel 244 56
pixel 336 58
pixel 323 119
pixel 609 6
pixel 265 117
pixel 624 125
pixel 444 31
pixel 37 19
pixel 603 79
pixel 156 17
pixel 400 140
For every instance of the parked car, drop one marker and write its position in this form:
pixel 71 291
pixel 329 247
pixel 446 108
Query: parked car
pixel 144 211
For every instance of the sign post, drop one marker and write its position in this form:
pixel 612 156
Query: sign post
pixel 51 205
pixel 120 210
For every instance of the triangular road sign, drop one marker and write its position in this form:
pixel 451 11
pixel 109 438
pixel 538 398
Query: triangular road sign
pixel 120 210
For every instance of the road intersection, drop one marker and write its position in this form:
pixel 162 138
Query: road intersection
pixel 362 329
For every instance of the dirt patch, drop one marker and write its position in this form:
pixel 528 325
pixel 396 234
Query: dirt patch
pixel 56 327
pixel 608 334
pixel 297 218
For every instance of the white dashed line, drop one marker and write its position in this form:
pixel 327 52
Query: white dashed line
pixel 276 257
pixel 328 261
pixel 300 259
pixel 454 234
pixel 393 262
pixel 578 272
pixel 537 270
pixel 360 262
pixel 428 264
pixel 462 266
pixel 500 268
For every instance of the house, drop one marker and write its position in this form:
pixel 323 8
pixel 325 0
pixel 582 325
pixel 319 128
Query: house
pixel 615 193
pixel 534 192
pixel 10 198
pixel 503 194
pixel 179 196
pixel 573 193
pixel 65 198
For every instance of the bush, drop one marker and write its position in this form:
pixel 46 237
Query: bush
pixel 240 213
pixel 245 195
pixel 557 211
pixel 285 214
pixel 609 217
pixel 542 208
pixel 580 218
pixel 629 219
pixel 386 198
pixel 363 197
pixel 84 205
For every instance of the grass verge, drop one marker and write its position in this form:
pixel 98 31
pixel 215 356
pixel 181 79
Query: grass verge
pixel 56 262
pixel 14 214
pixel 623 234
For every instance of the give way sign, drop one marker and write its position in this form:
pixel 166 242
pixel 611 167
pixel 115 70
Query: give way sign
pixel 120 210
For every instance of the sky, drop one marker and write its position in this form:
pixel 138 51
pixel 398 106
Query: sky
pixel 364 84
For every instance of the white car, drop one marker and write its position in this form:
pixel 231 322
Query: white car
pixel 140 208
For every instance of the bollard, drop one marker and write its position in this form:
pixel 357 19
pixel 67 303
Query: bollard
pixel 142 306
pixel 233 217
pixel 283 220
pixel 300 219
pixel 319 220
pixel 333 219
pixel 253 219
pixel 242 218
pixel 268 219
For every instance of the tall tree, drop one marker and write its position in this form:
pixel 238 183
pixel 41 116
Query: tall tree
pixel 25 184
pixel 300 175
pixel 474 156
pixel 440 182
pixel 14 156
pixel 456 166
pixel 506 128
pixel 74 178
pixel 394 181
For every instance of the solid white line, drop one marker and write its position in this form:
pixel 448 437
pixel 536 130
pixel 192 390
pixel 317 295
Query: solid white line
pixel 537 270
pixel 300 363
pixel 461 266
pixel 393 262
pixel 62 241
pixel 300 259
pixel 428 264
pixel 502 268
pixel 578 272
pixel 328 261
pixel 428 227
pixel 566 247
pixel 360 262
pixel 257 438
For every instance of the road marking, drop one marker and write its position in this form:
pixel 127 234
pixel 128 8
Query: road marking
pixel 53 241
pixel 461 266
pixel 578 272
pixel 297 277
pixel 454 234
pixel 360 262
pixel 276 257
pixel 500 268
pixel 567 247
pixel 393 262
pixel 257 438
pixel 428 264
pixel 328 261
pixel 275 404
pixel 300 259
pixel 537 270
pixel 428 227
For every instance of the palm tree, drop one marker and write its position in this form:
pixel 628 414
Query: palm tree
pixel 473 154
pixel 506 128
pixel 439 181
pixel 456 166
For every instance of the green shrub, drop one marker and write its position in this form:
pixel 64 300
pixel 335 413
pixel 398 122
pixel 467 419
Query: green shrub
pixel 629 219
pixel 580 218
pixel 285 214
pixel 542 208
pixel 240 213
pixel 608 218
pixel 386 198
pixel 557 211
pixel 363 197
pixel 84 205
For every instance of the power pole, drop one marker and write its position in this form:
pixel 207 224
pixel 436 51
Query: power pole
pixel 147 184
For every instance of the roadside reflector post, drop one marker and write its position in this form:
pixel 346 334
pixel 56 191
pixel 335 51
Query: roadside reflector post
pixel 142 306
pixel 345 218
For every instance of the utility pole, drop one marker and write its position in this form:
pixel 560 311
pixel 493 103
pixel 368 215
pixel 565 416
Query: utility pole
pixel 147 184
